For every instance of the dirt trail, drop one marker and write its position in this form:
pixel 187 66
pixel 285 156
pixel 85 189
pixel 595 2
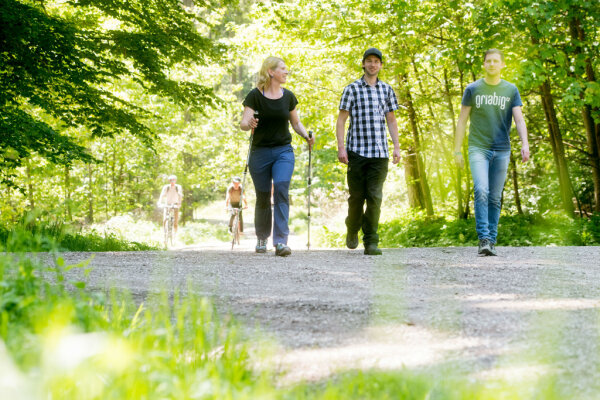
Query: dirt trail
pixel 530 312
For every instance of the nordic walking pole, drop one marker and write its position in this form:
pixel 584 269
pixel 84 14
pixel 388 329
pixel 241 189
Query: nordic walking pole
pixel 246 167
pixel 309 183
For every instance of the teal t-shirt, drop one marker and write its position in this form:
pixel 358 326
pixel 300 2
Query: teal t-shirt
pixel 491 113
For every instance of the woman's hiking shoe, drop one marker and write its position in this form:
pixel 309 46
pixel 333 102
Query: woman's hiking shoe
pixel 282 250
pixel 493 249
pixel 372 250
pixel 485 248
pixel 261 246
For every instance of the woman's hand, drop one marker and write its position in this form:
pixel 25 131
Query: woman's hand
pixel 248 120
pixel 310 139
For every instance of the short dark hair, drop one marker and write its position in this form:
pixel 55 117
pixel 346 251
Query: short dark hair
pixel 494 51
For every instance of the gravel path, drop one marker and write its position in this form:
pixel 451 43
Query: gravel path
pixel 523 315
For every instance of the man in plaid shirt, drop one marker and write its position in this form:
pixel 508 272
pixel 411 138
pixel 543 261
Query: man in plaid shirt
pixel 370 104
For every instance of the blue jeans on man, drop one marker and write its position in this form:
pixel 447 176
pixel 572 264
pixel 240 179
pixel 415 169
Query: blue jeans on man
pixel 272 165
pixel 488 168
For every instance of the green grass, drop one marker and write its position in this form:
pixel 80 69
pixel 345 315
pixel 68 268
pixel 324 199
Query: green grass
pixel 407 385
pixel 43 237
pixel 66 343
pixel 44 233
pixel 418 230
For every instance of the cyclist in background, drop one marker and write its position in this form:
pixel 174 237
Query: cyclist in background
pixel 171 194
pixel 233 200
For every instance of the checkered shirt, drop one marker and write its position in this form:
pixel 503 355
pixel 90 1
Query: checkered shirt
pixel 368 105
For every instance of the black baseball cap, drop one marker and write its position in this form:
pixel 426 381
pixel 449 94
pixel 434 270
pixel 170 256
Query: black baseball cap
pixel 373 52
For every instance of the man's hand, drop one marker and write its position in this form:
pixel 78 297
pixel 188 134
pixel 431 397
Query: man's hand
pixel 525 152
pixel 459 160
pixel 343 155
pixel 396 156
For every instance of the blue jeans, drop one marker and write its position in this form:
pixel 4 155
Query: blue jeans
pixel 272 165
pixel 488 168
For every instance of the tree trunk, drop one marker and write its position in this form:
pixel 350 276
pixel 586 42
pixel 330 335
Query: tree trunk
pixel 421 177
pixel 90 213
pixel 30 194
pixel 10 201
pixel 106 184
pixel 113 178
pixel 187 202
pixel 557 148
pixel 69 215
pixel 592 131
pixel 411 175
pixel 515 180
pixel 441 146
pixel 591 128
pixel 458 181
pixel 466 198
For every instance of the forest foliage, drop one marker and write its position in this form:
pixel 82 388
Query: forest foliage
pixel 102 100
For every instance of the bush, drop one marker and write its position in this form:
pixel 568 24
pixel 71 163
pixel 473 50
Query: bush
pixel 197 231
pixel 34 234
pixel 414 229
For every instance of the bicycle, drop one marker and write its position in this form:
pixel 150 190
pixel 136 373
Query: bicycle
pixel 168 222
pixel 235 227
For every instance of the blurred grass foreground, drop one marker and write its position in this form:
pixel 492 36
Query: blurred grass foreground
pixel 59 341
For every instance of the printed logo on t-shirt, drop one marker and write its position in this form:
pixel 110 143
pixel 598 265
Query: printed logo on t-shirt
pixel 491 100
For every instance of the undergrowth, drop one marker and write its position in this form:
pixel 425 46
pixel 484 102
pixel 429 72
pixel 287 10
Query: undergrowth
pixel 417 230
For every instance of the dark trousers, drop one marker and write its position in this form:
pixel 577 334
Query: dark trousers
pixel 272 166
pixel 365 184
pixel 236 205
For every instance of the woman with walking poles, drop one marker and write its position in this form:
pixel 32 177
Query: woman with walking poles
pixel 271 158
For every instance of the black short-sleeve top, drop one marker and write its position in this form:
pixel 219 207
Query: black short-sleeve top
pixel 273 118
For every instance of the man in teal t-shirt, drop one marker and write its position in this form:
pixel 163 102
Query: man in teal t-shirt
pixel 491 103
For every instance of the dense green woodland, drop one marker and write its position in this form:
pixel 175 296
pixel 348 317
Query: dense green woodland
pixel 102 99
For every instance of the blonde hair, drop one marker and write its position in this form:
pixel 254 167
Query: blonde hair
pixel 264 79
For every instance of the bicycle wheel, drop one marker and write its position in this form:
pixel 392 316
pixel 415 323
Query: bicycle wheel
pixel 171 230
pixel 235 231
pixel 166 232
